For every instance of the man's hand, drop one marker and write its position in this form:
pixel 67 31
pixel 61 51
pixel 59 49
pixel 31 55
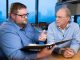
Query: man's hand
pixel 43 36
pixel 44 52
pixel 68 53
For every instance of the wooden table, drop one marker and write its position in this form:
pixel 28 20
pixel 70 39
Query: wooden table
pixel 60 57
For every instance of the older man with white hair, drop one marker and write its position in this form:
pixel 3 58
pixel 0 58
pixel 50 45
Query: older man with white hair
pixel 64 29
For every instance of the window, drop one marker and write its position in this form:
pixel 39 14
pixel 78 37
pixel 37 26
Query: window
pixel 45 8
pixel 2 11
pixel 77 19
pixel 31 8
pixel 46 11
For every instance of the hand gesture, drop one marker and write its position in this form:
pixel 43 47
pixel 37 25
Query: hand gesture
pixel 68 53
pixel 43 36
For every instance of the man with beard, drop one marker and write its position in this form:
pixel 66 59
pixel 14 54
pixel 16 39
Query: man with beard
pixel 17 32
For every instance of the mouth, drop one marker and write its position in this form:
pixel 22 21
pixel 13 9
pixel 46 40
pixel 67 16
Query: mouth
pixel 25 22
pixel 58 23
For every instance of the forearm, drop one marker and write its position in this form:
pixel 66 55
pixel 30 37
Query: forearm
pixel 75 48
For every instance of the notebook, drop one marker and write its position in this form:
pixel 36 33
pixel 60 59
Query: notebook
pixel 37 47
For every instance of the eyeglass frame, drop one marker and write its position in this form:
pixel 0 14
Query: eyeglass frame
pixel 22 15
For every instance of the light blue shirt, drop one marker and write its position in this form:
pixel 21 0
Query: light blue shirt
pixel 71 32
pixel 12 39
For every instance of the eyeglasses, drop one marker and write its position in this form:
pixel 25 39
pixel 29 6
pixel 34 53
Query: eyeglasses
pixel 24 15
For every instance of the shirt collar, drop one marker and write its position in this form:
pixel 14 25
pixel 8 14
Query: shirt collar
pixel 66 26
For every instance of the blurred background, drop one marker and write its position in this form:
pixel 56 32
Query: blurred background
pixel 42 12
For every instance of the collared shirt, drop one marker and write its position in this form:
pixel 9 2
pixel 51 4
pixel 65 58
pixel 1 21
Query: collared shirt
pixel 71 33
pixel 63 30
pixel 12 39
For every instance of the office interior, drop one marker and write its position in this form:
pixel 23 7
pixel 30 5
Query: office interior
pixel 42 12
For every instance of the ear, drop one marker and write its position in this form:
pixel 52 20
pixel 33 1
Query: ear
pixel 68 18
pixel 13 16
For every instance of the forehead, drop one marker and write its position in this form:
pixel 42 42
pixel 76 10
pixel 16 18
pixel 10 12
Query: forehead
pixel 61 12
pixel 22 11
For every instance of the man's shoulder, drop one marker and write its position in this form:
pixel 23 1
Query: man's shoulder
pixel 7 26
pixel 52 24
pixel 74 24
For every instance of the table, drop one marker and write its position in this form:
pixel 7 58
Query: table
pixel 60 57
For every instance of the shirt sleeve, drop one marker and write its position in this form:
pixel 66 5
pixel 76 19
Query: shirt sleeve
pixel 11 45
pixel 76 39
pixel 50 35
pixel 33 33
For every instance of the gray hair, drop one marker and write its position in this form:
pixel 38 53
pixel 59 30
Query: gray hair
pixel 66 9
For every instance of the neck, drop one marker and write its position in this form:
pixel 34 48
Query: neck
pixel 63 26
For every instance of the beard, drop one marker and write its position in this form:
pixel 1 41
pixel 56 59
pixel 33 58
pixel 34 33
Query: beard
pixel 22 24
